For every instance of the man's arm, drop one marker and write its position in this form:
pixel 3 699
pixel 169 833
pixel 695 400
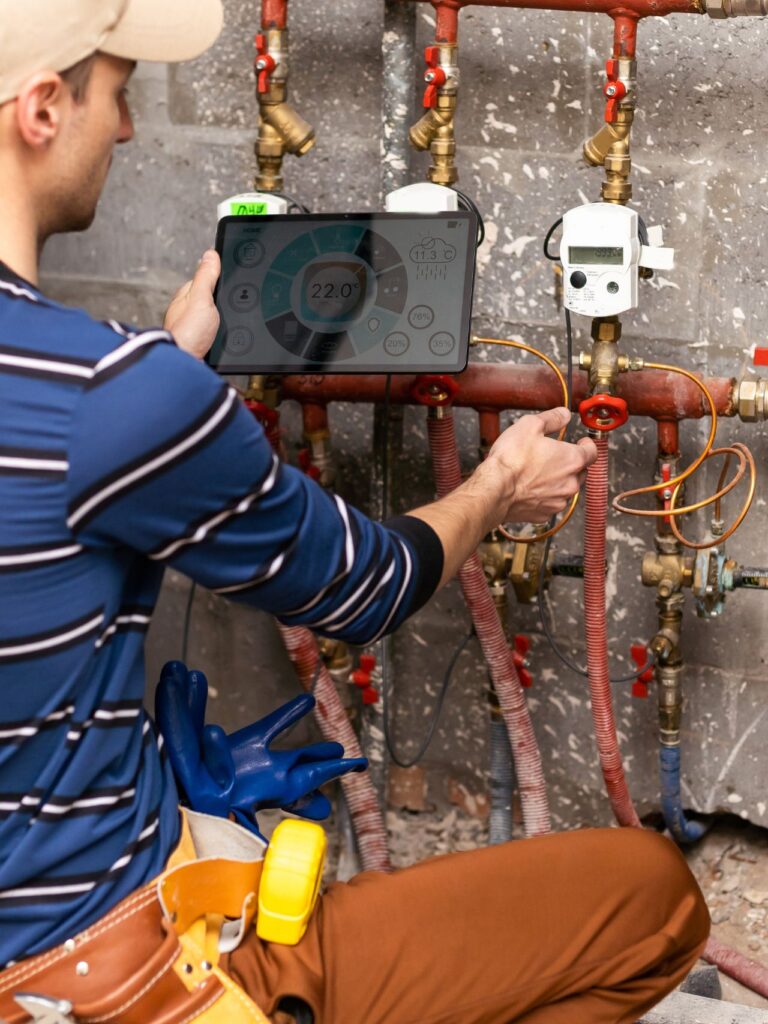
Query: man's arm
pixel 527 477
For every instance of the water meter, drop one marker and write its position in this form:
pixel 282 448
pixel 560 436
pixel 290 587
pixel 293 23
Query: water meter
pixel 602 249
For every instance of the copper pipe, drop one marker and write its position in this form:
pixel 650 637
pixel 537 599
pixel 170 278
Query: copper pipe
pixel 274 13
pixel 636 8
pixel 500 386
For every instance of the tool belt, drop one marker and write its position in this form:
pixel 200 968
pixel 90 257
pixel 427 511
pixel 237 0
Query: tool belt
pixel 153 959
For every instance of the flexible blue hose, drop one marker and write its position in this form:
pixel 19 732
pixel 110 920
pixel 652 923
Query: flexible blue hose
pixel 683 831
pixel 502 785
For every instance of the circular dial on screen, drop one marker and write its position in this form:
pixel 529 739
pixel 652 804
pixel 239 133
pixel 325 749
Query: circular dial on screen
pixel 334 292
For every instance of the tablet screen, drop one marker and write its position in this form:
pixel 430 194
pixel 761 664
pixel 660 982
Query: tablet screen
pixel 345 293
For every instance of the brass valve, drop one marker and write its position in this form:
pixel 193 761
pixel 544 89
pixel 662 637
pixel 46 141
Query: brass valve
pixel 667 572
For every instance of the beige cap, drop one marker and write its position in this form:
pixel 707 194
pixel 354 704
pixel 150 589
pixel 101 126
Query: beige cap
pixel 41 35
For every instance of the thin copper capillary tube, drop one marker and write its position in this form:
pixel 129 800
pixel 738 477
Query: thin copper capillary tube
pixel 721 481
pixel 558 373
pixel 676 481
pixel 745 458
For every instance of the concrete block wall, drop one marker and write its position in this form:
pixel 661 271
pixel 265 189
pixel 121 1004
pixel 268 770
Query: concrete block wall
pixel 530 95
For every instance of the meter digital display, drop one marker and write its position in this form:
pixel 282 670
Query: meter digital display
pixel 345 293
pixel 591 255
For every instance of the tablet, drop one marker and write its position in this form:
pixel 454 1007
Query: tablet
pixel 345 293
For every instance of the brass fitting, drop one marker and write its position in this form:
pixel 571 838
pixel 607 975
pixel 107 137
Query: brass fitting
pixel 604 360
pixel 281 129
pixel 435 129
pixel 667 572
pixel 618 166
pixel 597 148
pixel 751 399
pixel 493 558
pixel 525 571
pixel 322 456
pixel 670 696
pixel 720 9
pixel 264 388
pixel 427 127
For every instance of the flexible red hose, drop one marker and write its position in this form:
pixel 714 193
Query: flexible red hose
pixel 596 494
pixel 729 961
pixel 367 821
pixel 530 776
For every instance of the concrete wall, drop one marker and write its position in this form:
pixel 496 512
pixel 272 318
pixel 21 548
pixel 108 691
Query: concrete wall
pixel 530 95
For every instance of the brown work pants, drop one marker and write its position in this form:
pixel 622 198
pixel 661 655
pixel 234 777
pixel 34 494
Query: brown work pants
pixel 588 927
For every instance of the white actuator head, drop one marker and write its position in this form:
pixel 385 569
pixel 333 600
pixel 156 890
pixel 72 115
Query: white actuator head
pixel 249 204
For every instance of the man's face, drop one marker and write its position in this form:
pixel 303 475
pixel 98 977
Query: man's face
pixel 82 151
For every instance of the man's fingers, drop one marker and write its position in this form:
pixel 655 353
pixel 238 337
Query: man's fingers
pixel 207 273
pixel 552 420
pixel 589 450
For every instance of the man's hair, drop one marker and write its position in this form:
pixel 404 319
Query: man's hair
pixel 78 75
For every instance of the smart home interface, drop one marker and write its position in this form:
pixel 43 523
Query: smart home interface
pixel 345 293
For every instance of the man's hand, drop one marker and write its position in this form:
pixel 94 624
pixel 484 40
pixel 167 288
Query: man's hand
pixel 192 317
pixel 537 476
pixel 527 477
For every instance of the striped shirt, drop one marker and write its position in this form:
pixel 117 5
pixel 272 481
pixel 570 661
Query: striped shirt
pixel 120 454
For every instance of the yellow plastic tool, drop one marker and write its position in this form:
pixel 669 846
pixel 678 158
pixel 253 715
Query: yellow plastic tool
pixel 290 881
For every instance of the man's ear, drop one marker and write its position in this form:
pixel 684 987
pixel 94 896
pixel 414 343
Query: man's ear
pixel 39 108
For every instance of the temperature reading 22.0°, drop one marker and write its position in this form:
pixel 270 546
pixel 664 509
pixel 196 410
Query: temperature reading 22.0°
pixel 334 289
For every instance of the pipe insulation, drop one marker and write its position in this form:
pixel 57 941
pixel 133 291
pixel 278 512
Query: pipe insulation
pixel 596 493
pixel 530 775
pixel 360 795
pixel 501 784
pixel 682 829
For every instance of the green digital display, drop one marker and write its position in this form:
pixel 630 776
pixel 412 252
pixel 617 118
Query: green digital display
pixel 247 209
pixel 587 254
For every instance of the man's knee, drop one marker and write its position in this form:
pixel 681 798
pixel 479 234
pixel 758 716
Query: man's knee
pixel 674 900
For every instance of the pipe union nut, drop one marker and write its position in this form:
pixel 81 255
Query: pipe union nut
pixel 752 399
pixel 716 9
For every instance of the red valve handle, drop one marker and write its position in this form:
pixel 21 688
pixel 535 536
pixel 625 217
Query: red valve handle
pixel 603 412
pixel 434 389
pixel 265 63
pixel 367 662
pixel 522 646
pixel 370 695
pixel 267 417
pixel 434 76
pixel 614 90
pixel 306 464
pixel 640 657
pixel 760 357
pixel 360 678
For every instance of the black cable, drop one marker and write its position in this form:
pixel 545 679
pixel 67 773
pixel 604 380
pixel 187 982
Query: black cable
pixel 187 621
pixel 293 204
pixel 470 204
pixel 547 239
pixel 436 712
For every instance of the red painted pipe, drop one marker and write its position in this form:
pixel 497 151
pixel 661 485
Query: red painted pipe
pixel 448 9
pixel 668 438
pixel 500 386
pixel 496 650
pixel 490 427
pixel 274 13
pixel 314 417
pixel 625 35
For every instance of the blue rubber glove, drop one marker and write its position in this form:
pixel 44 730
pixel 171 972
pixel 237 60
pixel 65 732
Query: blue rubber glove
pixel 238 774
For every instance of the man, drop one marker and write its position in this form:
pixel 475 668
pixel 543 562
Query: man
pixel 121 454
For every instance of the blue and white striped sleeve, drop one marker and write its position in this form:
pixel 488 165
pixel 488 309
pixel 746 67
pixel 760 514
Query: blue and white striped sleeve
pixel 165 459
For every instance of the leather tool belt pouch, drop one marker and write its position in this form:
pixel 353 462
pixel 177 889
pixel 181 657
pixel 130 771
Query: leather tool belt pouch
pixel 153 959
